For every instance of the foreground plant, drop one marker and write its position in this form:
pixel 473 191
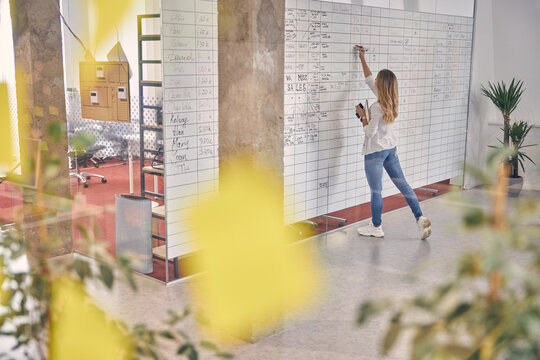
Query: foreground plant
pixel 490 308
pixel 45 308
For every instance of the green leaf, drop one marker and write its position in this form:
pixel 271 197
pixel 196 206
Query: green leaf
pixel 153 354
pixel 470 264
pixel 173 318
pixel 459 351
pixel 166 334
pixel 183 334
pixel 505 99
pixel 458 311
pixel 84 231
pixel 82 141
pixel 184 349
pixel 209 345
pixel 82 268
pixel 225 355
pixel 193 355
pixel 56 131
pixel 391 336
pixel 189 351
pixel 474 217
pixel 131 280
pixel 422 342
pixel 367 310
pixel 107 275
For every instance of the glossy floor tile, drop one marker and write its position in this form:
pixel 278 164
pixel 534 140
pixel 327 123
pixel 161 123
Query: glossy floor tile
pixel 356 268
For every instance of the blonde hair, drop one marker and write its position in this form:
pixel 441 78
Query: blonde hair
pixel 387 93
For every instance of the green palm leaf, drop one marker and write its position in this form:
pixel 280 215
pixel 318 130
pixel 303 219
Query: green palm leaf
pixel 505 99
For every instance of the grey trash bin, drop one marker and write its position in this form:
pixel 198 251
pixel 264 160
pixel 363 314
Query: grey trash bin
pixel 134 231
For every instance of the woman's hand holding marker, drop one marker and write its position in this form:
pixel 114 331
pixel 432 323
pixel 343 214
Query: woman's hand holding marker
pixel 361 53
pixel 361 50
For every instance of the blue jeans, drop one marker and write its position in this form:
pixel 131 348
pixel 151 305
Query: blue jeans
pixel 373 164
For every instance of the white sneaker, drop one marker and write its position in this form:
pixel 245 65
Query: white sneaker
pixel 424 227
pixel 370 230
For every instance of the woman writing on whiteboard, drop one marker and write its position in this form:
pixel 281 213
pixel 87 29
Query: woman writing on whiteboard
pixel 379 150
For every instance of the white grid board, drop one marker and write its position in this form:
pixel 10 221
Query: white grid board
pixel 430 55
pixel 190 91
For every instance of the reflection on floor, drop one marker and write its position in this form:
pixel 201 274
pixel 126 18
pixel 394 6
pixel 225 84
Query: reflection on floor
pixel 356 268
pixel 362 212
pixel 10 203
pixel 103 195
pixel 117 175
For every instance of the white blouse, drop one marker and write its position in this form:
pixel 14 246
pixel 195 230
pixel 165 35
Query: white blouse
pixel 379 135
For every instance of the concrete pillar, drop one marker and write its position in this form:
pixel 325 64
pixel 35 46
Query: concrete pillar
pixel 37 41
pixel 251 67
pixel 251 58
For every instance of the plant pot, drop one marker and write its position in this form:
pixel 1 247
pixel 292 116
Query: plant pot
pixel 515 184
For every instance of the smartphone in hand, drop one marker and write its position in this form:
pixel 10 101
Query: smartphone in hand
pixel 362 106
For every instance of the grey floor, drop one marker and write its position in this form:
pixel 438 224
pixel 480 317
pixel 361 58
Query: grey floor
pixel 356 268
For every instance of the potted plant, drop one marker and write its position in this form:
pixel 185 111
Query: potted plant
pixel 506 100
pixel 517 134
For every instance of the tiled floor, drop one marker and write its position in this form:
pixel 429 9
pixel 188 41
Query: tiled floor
pixel 356 268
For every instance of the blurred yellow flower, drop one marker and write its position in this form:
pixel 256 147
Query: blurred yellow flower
pixel 251 272
pixel 5 296
pixel 107 15
pixel 81 330
pixel 6 148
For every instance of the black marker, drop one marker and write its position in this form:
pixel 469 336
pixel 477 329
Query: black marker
pixel 357 47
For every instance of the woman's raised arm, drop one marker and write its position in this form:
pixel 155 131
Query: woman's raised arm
pixel 365 67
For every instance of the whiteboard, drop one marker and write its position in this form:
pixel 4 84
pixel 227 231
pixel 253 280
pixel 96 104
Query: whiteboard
pixel 190 112
pixel 430 55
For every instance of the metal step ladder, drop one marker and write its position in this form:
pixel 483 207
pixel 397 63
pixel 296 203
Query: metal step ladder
pixel 158 213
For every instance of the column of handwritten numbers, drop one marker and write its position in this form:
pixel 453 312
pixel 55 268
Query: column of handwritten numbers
pixel 437 99
pixel 456 76
pixel 215 80
pixel 404 123
pixel 464 44
pixel 448 112
pixel 417 93
pixel 450 123
pixel 180 92
pixel 461 75
pixel 396 58
pixel 180 89
pixel 325 113
pixel 465 47
pixel 370 25
pixel 339 106
pixel 355 159
pixel 413 172
pixel 406 101
pixel 415 103
pixel 353 125
pixel 452 95
pixel 301 107
pixel 423 101
pixel 429 85
pixel 312 116
pixel 206 132
pixel 289 106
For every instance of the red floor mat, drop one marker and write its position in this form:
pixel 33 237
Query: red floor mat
pixel 102 195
